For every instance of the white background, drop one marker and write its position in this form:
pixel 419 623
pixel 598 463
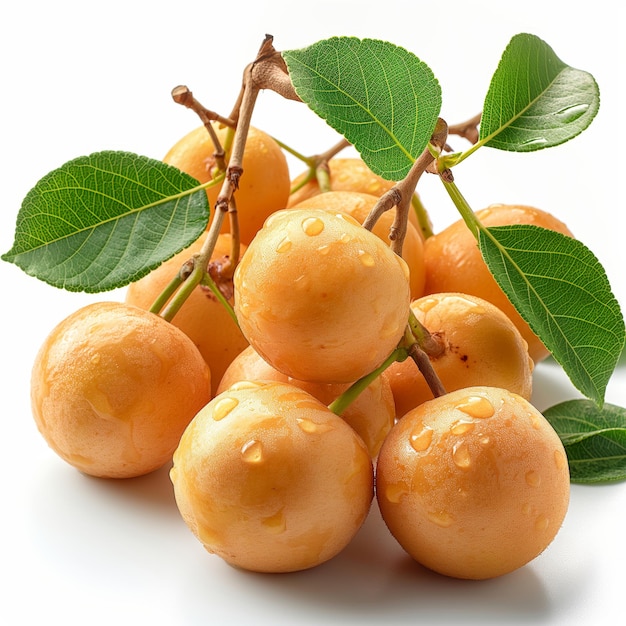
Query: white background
pixel 80 77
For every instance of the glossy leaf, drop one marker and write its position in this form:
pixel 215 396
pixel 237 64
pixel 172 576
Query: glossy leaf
pixel 102 221
pixel 379 96
pixel 594 439
pixel 561 290
pixel 535 100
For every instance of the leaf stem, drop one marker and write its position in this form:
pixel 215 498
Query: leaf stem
pixel 340 404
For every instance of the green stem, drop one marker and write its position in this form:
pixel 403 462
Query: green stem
pixel 463 207
pixel 166 294
pixel 423 218
pixel 340 404
pixel 207 281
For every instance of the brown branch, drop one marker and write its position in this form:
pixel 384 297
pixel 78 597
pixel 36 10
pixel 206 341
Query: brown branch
pixel 467 129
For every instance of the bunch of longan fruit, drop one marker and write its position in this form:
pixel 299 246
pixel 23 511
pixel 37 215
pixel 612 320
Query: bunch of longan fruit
pixel 473 483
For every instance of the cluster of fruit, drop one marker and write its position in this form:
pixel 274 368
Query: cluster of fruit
pixel 473 483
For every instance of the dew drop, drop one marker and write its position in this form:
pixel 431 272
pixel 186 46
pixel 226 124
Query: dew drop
pixel 252 451
pixel 461 456
pixel 485 440
pixel 462 427
pixel 537 141
pixel 366 258
pixel 346 238
pixel 284 245
pixel 223 407
pixel 476 406
pixel 95 359
pixel 542 523
pixel 533 479
pixel 421 438
pixel 426 304
pixel 311 427
pixel 312 226
pixel 572 113
pixel 395 492
pixel 324 250
pixel 245 384
pixel 276 523
pixel 560 459
pixel 441 518
pixel 535 421
pixel 527 509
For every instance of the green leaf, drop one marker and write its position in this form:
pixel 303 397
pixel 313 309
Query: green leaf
pixel 561 290
pixel 594 439
pixel 380 97
pixel 535 100
pixel 102 221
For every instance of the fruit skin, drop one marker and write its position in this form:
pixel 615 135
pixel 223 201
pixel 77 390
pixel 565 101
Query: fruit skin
pixel 473 484
pixel 271 480
pixel 203 318
pixel 263 187
pixel 371 414
pixel 359 206
pixel 482 347
pixel 113 387
pixel 321 298
pixel 454 263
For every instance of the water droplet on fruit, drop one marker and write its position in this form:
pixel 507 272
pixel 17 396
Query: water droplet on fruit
pixel 223 407
pixel 324 250
pixel 533 479
pixel 346 238
pixel 252 451
pixel 560 459
pixel 366 258
pixel 426 304
pixel 421 438
pixel 395 492
pixel 276 523
pixel 527 509
pixel 535 421
pixel 462 427
pixel 309 426
pixel 461 456
pixel 572 113
pixel 441 518
pixel 476 406
pixel 284 245
pixel 245 384
pixel 542 523
pixel 95 359
pixel 312 226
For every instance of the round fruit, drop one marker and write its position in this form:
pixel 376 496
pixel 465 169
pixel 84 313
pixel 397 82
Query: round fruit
pixel 454 263
pixel 359 206
pixel 321 298
pixel 345 174
pixel 264 185
pixel 203 318
pixel 481 345
pixel 473 484
pixel 271 480
pixel 371 414
pixel 113 387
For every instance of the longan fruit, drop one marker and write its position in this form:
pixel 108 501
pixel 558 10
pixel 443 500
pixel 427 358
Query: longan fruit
pixel 321 298
pixel 454 263
pixel 473 484
pixel 481 346
pixel 114 386
pixel 270 480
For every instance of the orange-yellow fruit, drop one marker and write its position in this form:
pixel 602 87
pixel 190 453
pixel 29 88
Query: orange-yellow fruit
pixel 473 484
pixel 113 387
pixel 271 480
pixel 359 206
pixel 481 346
pixel 263 187
pixel 321 298
pixel 345 174
pixel 203 318
pixel 371 414
pixel 454 263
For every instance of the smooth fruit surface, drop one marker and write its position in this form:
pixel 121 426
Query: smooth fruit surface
pixel 263 187
pixel 481 346
pixel 371 414
pixel 271 480
pixel 454 263
pixel 321 298
pixel 203 318
pixel 473 484
pixel 359 206
pixel 113 387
